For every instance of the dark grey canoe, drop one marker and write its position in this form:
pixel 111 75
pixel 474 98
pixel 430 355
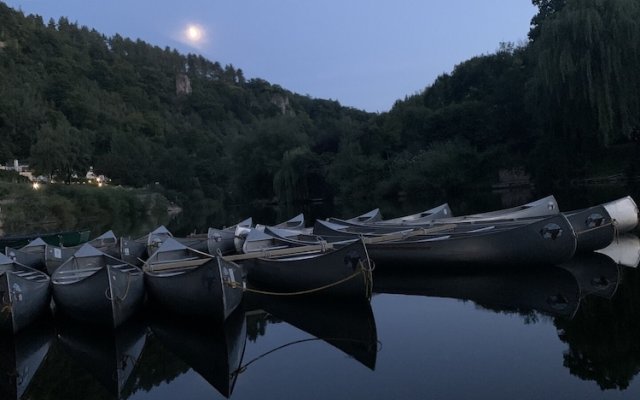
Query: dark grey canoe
pixel 593 226
pixel 345 271
pixel 188 282
pixel 214 351
pixel 97 288
pixel 222 240
pixel 24 294
pixel 55 256
pixel 546 289
pixel 371 216
pixel 550 240
pixel 31 255
pixel 296 222
pixel 424 217
pixel 347 325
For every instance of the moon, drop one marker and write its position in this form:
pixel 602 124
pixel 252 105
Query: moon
pixel 194 33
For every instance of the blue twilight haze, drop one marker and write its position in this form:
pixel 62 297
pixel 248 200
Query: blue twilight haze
pixel 365 54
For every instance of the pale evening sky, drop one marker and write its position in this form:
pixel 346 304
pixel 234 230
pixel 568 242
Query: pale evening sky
pixel 364 53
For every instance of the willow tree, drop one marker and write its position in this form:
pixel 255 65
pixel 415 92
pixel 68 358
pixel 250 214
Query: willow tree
pixel 585 88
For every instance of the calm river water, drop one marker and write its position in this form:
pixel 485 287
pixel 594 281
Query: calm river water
pixel 565 332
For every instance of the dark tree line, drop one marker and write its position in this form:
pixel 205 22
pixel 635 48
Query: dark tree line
pixel 71 98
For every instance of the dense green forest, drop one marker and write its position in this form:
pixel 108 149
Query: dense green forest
pixel 563 105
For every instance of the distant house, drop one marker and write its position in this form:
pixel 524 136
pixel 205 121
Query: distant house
pixel 93 178
pixel 22 169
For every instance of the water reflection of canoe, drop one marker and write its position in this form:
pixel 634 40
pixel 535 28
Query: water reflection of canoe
pixel 348 326
pixel 546 289
pixel 595 273
pixel 24 294
pixel 109 356
pixel 21 357
pixel 214 351
pixel 624 250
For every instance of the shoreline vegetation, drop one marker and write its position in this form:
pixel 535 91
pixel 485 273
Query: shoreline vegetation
pixel 561 107
pixel 66 207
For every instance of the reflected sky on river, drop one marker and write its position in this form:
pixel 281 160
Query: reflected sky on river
pixel 557 332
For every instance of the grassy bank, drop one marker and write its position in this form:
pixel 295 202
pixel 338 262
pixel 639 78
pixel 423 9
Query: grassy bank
pixel 55 207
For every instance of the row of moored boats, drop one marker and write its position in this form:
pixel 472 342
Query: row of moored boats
pixel 108 279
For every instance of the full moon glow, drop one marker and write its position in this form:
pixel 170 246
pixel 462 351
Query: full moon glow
pixel 194 33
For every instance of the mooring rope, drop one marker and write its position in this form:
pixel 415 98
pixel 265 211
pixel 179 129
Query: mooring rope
pixel 612 223
pixel 126 292
pixel 244 367
pixel 235 285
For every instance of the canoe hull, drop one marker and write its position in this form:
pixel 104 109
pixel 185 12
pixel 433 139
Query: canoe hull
pixel 348 265
pixel 547 241
pixel 22 301
pixel 107 297
pixel 199 292
pixel 593 226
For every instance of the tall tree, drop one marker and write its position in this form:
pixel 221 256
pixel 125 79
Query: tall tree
pixel 586 85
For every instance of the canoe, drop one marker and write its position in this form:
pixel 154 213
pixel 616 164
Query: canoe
pixel 344 271
pixel 624 250
pixel 537 241
pixel 424 217
pixel 214 351
pixel 368 217
pixel 156 237
pixel 189 282
pixel 222 240
pixel 31 255
pixel 296 222
pixel 274 238
pixel 109 356
pixel 624 212
pixel 94 287
pixel 348 326
pixel 21 357
pixel 543 207
pixel 62 238
pixel 54 256
pixel 24 295
pixel 132 251
pixel 545 241
pixel 593 226
pixel 548 290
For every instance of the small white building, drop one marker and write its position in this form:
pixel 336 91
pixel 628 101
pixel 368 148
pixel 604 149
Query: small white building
pixel 22 169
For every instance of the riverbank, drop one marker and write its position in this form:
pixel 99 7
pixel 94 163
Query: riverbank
pixel 54 207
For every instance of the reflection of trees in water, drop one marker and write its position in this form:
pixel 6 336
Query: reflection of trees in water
pixel 61 377
pixel 257 324
pixel 155 367
pixel 603 336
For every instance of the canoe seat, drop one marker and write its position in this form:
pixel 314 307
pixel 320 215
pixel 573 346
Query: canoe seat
pixel 177 265
pixel 27 274
pixel 130 269
pixel 79 270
